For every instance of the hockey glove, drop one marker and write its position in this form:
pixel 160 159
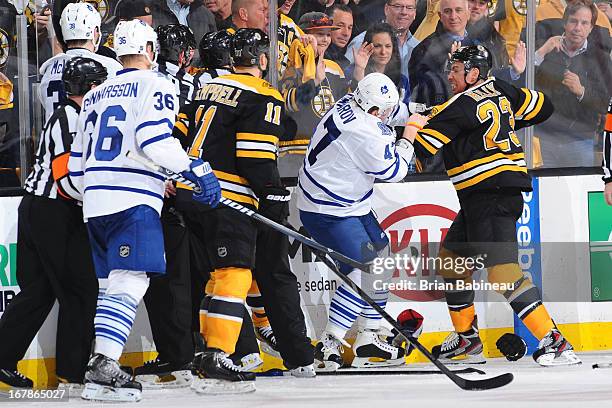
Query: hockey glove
pixel 202 175
pixel 512 346
pixel 412 325
pixel 274 203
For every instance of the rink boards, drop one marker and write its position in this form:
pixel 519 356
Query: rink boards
pixel 574 272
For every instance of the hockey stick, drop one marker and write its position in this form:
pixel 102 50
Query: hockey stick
pixel 256 216
pixel 322 253
pixel 275 372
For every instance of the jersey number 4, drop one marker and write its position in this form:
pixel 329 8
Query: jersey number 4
pixel 492 138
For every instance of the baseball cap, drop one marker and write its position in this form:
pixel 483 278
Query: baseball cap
pixel 129 9
pixel 316 20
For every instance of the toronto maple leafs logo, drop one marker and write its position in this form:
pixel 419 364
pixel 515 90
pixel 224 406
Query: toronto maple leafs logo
pixel 384 89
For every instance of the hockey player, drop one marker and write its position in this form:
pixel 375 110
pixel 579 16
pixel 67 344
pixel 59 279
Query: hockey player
pixel 122 199
pixel 353 143
pixel 485 161
pixel 53 254
pixel 80 24
pixel 176 47
pixel 238 132
pixel 168 298
pixel 214 49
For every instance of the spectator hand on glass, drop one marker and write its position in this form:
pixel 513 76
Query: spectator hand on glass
pixel 361 57
pixel 572 82
pixel 42 20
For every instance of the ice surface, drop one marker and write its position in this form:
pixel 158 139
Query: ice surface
pixel 533 386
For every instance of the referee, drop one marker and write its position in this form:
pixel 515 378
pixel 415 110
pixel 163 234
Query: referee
pixel 53 255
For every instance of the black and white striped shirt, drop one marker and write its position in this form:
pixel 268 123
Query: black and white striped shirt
pixel 183 82
pixel 607 146
pixel 49 177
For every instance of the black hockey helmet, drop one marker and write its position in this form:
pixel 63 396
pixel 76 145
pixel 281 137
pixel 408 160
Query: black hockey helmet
pixel 247 45
pixel 215 48
pixel 81 73
pixel 174 39
pixel 474 56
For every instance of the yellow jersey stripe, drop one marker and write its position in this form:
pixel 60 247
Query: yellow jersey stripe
pixel 487 174
pixel 258 137
pixel 525 104
pixel 426 144
pixel 299 142
pixel 537 108
pixel 221 175
pixel 181 127
pixel 249 83
pixel 241 198
pixel 488 159
pixel 435 134
pixel 250 154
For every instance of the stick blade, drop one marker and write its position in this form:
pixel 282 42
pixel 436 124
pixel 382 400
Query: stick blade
pixel 486 384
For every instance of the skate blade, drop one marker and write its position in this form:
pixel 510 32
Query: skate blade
pixel 326 366
pixel 265 347
pixel 73 390
pixel 176 379
pixel 98 392
pixel 373 362
pixel 568 357
pixel 208 386
pixel 464 359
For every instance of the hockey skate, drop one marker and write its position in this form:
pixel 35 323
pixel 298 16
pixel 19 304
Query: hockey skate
pixel 250 362
pixel 461 348
pixel 157 374
pixel 217 375
pixel 554 350
pixel 371 351
pixel 266 338
pixel 105 381
pixel 328 352
pixel 71 387
pixel 307 371
pixel 15 379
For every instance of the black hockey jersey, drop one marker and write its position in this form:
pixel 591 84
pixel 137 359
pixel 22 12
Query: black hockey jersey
pixel 476 132
pixel 235 122
pixel 183 82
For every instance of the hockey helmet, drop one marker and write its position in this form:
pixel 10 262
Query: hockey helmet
pixel 79 22
pixel 174 39
pixel 132 37
pixel 81 73
pixel 474 56
pixel 247 45
pixel 376 90
pixel 215 49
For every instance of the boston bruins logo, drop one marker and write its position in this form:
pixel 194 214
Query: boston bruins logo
pixel 103 8
pixel 492 6
pixel 323 101
pixel 4 48
pixel 521 6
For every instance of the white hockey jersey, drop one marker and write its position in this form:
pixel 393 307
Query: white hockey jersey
pixel 135 111
pixel 348 151
pixel 51 90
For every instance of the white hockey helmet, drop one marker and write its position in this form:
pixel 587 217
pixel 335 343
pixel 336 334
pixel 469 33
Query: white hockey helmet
pixel 132 37
pixel 79 22
pixel 376 90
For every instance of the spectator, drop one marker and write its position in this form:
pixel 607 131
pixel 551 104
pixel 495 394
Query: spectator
pixel 250 14
pixel 191 13
pixel 222 9
pixel 399 14
pixel 576 75
pixel 307 6
pixel 307 108
pixel 550 22
pixel 343 18
pixel 428 62
pixel 379 53
pixel 286 7
pixel 481 29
